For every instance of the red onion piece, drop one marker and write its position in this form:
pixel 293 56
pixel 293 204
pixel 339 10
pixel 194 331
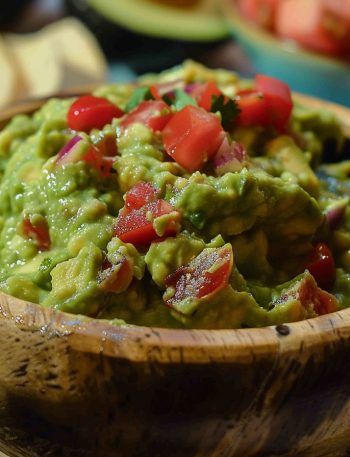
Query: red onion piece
pixel 229 158
pixel 193 88
pixel 67 147
pixel 335 214
pixel 168 87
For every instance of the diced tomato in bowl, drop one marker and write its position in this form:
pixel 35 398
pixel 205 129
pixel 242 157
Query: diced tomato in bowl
pixel 192 137
pixel 154 114
pixel 89 112
pixel 136 226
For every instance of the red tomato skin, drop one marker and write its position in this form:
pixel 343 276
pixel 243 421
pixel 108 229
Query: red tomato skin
pixel 253 110
pixel 89 112
pixel 38 233
pixel 134 227
pixel 215 281
pixel 154 114
pixel 154 92
pixel 115 278
pixel 140 194
pixel 320 264
pixel 278 100
pixel 323 302
pixel 192 137
pixel 205 93
pixel 198 279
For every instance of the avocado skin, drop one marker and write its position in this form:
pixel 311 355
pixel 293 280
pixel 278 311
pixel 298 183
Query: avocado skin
pixel 143 53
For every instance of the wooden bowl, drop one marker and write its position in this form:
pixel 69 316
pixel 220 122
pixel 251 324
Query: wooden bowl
pixel 75 386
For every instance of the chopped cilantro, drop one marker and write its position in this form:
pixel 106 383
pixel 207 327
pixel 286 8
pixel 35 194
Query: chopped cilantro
pixel 139 95
pixel 182 99
pixel 197 219
pixel 228 109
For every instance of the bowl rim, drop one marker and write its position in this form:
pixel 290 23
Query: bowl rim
pixel 241 26
pixel 164 345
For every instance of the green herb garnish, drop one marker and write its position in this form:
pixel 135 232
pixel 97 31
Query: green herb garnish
pixel 228 109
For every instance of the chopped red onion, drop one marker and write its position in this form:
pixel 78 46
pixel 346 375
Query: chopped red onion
pixel 335 214
pixel 230 157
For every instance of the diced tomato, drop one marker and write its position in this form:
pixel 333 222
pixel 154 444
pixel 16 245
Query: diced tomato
pixel 140 194
pixel 309 24
pixel 204 93
pixel 89 112
pixel 320 264
pixel 321 301
pixel 38 231
pixel 253 110
pixel 192 137
pixel 106 166
pixel 202 277
pixel 313 299
pixel 154 114
pixel 154 92
pixel 115 278
pixel 107 143
pixel 278 100
pixel 136 226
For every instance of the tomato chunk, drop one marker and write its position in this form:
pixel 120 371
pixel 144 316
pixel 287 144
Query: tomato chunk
pixel 115 277
pixel 320 264
pixel 312 298
pixel 192 137
pixel 253 109
pixel 89 112
pixel 278 100
pixel 204 93
pixel 204 276
pixel 37 231
pixel 154 114
pixel 140 194
pixel 137 227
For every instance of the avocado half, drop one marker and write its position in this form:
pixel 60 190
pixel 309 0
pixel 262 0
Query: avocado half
pixel 151 35
pixel 196 21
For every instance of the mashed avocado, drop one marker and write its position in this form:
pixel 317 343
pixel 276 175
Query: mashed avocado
pixel 175 207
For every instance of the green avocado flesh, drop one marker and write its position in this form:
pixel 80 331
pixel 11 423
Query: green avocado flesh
pixel 201 22
pixel 250 229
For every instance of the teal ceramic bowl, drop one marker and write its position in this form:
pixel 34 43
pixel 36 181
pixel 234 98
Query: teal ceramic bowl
pixel 304 71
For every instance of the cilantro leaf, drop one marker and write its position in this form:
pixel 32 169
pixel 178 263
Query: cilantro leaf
pixel 182 99
pixel 228 109
pixel 139 95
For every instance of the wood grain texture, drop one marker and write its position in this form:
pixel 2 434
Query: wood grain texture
pixel 72 386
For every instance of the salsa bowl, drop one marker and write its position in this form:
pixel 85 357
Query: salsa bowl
pixel 323 76
pixel 76 386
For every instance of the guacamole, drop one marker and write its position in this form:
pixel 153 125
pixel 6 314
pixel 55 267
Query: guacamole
pixel 190 199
